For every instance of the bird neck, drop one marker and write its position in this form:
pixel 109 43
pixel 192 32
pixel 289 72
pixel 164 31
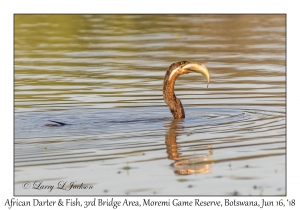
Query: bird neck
pixel 171 100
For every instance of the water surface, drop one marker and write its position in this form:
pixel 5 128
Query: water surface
pixel 103 75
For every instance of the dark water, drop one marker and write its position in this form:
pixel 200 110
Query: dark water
pixel 103 75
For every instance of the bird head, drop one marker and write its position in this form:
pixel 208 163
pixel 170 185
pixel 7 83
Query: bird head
pixel 185 67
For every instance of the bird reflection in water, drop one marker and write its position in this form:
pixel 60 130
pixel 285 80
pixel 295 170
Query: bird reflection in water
pixel 187 164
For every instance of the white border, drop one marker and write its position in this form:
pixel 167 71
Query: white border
pixel 8 8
